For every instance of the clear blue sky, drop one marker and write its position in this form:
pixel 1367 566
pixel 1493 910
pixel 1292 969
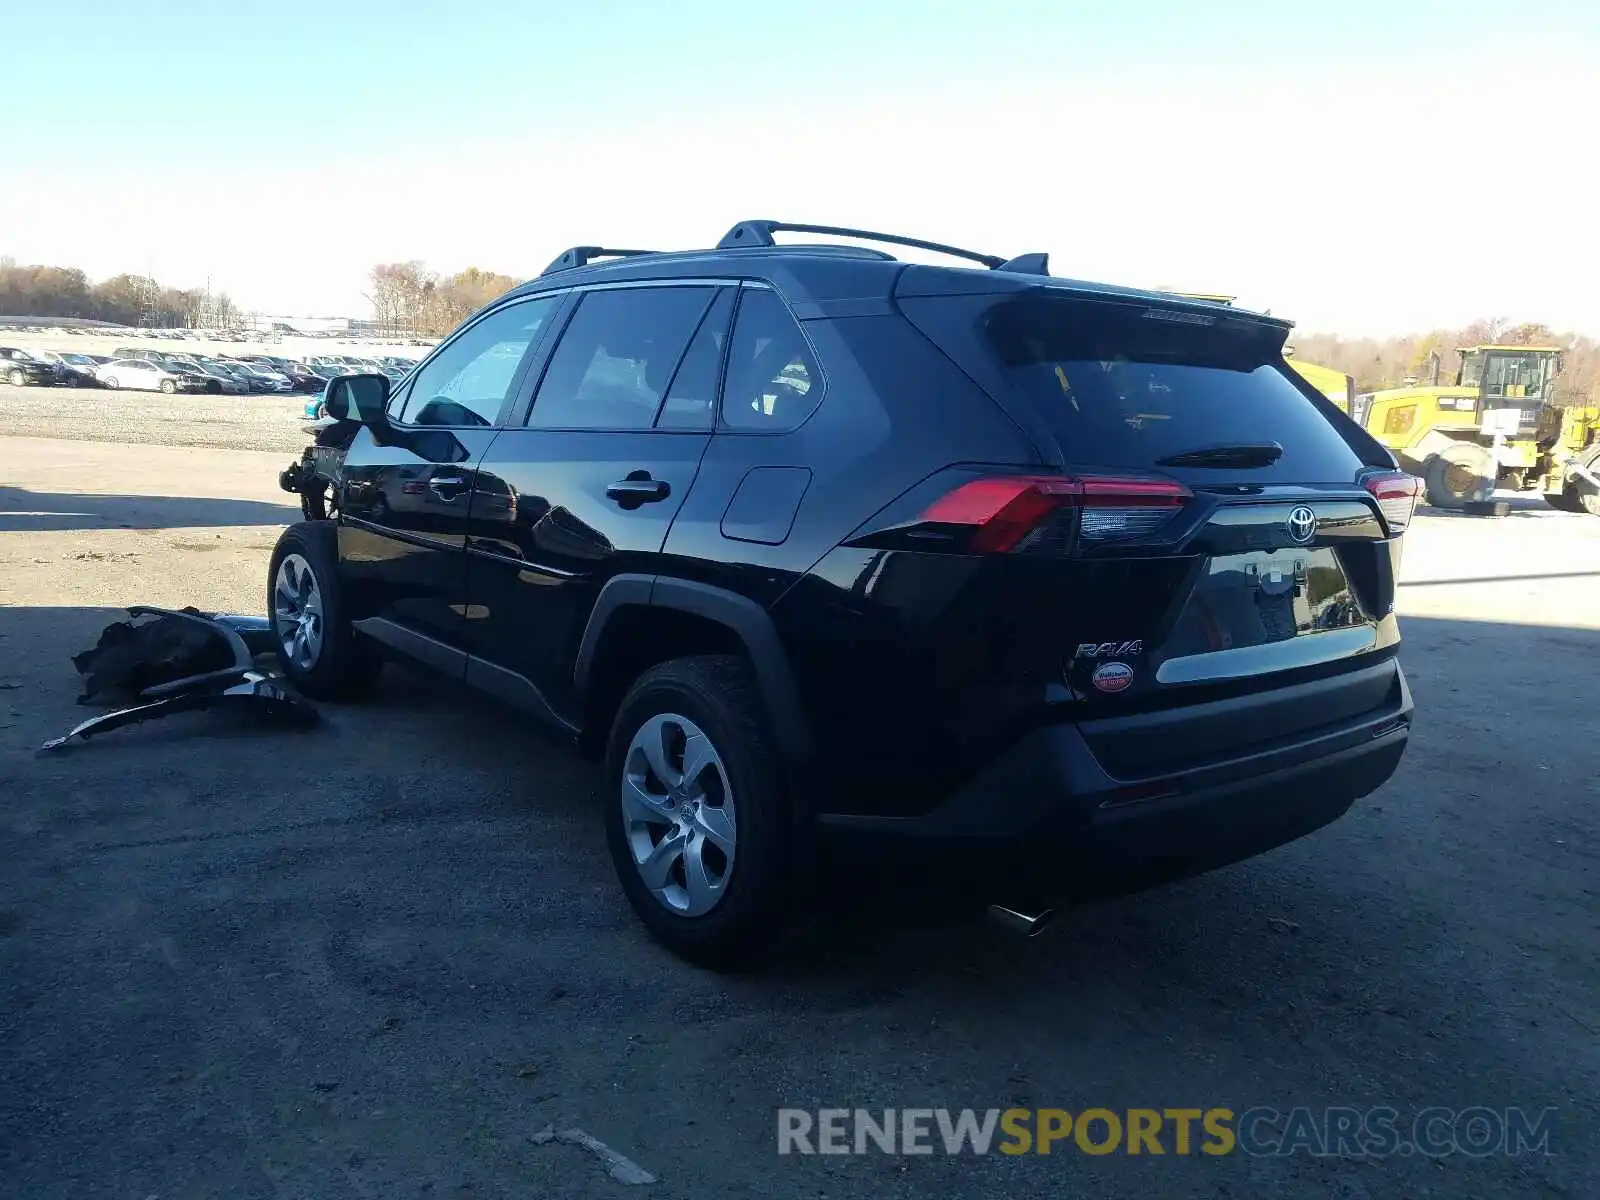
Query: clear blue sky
pixel 129 117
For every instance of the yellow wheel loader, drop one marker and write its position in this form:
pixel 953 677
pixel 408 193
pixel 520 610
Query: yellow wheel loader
pixel 1495 427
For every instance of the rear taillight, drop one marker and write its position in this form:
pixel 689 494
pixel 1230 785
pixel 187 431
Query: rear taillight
pixel 1396 494
pixel 1022 513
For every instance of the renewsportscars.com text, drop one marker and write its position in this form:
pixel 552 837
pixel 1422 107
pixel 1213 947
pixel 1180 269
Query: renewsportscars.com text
pixel 1259 1131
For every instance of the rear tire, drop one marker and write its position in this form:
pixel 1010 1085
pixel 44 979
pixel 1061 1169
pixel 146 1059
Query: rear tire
pixel 318 648
pixel 739 802
pixel 1585 493
pixel 1459 474
pixel 18 377
pixel 1565 501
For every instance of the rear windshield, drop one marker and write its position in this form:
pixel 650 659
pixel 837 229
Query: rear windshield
pixel 1126 385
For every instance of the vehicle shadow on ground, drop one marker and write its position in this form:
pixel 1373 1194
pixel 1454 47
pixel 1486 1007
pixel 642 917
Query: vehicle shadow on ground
pixel 416 903
pixel 1520 506
pixel 24 511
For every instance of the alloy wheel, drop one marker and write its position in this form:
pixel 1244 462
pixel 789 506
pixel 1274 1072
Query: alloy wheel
pixel 678 814
pixel 297 611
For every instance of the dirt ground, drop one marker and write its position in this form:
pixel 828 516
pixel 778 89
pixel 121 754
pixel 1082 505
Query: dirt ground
pixel 376 959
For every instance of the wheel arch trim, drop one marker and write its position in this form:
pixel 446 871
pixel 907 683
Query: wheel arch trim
pixel 743 617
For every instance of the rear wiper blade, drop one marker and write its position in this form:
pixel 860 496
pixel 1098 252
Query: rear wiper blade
pixel 1244 454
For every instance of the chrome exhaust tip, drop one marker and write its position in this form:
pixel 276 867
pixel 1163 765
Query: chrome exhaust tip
pixel 1022 921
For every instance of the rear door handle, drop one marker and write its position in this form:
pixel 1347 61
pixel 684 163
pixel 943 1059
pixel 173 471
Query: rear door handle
pixel 630 493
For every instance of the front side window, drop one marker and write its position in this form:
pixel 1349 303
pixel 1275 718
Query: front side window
pixel 771 374
pixel 617 356
pixel 468 381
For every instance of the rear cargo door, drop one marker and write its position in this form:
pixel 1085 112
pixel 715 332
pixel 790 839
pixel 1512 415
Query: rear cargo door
pixel 1270 552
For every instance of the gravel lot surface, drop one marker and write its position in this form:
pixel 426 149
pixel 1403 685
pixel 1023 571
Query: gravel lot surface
pixel 95 414
pixel 376 959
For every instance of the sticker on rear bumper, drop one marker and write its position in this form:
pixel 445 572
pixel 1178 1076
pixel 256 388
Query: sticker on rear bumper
pixel 1112 676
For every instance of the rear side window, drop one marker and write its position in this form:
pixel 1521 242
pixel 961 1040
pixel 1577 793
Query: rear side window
pixel 772 382
pixel 1127 385
pixel 692 399
pixel 617 356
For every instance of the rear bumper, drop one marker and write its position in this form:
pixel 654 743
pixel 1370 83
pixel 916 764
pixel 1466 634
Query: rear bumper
pixel 1048 808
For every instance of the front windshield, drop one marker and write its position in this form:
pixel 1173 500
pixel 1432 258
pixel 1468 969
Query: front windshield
pixel 1471 369
pixel 1517 376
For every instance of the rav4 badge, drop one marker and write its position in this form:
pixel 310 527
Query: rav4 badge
pixel 1092 650
pixel 1112 676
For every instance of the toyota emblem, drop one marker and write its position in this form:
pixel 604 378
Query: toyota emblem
pixel 1302 525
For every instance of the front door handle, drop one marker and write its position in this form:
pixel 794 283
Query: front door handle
pixel 638 489
pixel 448 487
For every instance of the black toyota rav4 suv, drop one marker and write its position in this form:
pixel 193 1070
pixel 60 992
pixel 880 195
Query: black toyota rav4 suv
pixel 818 548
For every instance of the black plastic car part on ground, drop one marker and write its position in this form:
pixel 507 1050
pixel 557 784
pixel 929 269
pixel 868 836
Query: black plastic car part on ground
pixel 182 661
pixel 827 554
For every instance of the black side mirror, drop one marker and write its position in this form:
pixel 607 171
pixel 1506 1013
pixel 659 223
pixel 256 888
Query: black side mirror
pixel 361 398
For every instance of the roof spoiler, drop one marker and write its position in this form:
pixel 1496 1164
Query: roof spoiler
pixel 759 233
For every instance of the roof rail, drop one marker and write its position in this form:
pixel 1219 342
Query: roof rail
pixel 759 233
pixel 581 256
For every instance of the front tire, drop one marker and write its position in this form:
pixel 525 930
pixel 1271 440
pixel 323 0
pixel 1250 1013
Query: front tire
pixel 111 382
pixel 699 819
pixel 317 647
pixel 1459 475
pixel 18 377
pixel 168 387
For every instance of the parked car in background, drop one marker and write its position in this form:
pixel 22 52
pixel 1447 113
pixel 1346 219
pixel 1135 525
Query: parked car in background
pixel 83 369
pixel 332 363
pixel 270 362
pixel 398 363
pixel 19 368
pixel 225 379
pixel 259 379
pixel 301 378
pixel 72 370
pixel 143 375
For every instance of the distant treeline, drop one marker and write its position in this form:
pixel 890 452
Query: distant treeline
pixel 407 298
pixel 39 291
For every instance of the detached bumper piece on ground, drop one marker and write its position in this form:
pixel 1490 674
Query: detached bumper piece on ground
pixel 183 661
